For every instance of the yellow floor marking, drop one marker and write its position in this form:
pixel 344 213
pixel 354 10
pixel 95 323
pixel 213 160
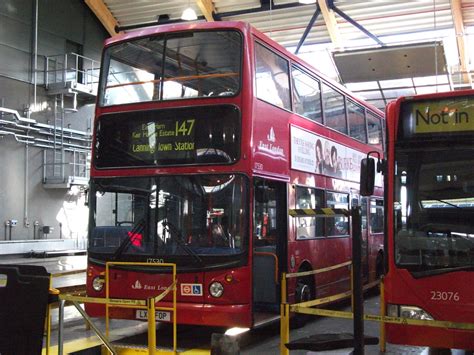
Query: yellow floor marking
pixel 196 352
pixel 136 351
pixel 91 342
pixel 75 345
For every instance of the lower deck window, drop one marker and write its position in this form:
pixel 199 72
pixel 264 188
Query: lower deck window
pixel 339 225
pixel 309 227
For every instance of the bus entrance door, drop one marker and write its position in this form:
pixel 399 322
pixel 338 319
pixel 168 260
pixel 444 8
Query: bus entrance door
pixel 269 244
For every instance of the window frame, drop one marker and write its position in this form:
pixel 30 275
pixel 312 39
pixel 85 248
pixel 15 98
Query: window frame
pixel 294 67
pixel 382 208
pixel 322 195
pixel 106 60
pixel 349 231
pixel 256 43
pixel 350 101
pixel 344 98
pixel 381 130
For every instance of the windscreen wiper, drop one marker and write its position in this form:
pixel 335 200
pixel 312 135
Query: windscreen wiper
pixel 442 201
pixel 176 236
pixel 122 189
pixel 446 270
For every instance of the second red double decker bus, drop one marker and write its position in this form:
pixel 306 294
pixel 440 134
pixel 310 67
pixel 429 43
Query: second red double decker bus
pixel 206 135
pixel 430 218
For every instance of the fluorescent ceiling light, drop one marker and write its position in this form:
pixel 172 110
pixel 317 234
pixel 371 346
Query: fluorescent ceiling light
pixel 189 15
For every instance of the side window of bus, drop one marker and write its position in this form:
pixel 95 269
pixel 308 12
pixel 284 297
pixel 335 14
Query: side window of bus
pixel 306 95
pixel 376 216
pixel 363 212
pixel 339 225
pixel 374 127
pixel 117 214
pixel 356 118
pixel 334 109
pixel 309 227
pixel 272 77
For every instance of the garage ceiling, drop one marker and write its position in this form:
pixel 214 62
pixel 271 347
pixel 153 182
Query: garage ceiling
pixel 365 24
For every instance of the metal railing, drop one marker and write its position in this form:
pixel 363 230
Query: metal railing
pixel 71 67
pixel 149 304
pixel 74 168
pixel 57 292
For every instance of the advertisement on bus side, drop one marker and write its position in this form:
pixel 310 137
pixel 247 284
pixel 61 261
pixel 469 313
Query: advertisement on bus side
pixel 316 154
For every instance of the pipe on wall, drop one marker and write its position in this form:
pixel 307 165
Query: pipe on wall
pixel 35 55
pixel 37 134
pixel 26 222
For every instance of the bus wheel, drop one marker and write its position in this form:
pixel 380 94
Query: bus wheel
pixel 304 292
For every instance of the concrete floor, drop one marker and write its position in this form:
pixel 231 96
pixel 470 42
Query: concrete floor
pixel 264 340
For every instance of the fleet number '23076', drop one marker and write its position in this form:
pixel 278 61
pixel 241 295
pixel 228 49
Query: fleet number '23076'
pixel 445 296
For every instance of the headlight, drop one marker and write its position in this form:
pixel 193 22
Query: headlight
pixel 98 283
pixel 216 289
pixel 409 312
pixel 414 313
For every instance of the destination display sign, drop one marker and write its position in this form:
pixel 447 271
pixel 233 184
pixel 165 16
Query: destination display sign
pixel 177 136
pixel 171 136
pixel 442 116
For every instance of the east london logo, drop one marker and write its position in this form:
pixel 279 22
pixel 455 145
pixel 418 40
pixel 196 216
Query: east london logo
pixel 137 285
pixel 269 148
pixel 271 135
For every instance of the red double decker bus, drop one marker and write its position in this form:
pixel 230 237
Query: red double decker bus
pixel 430 217
pixel 205 136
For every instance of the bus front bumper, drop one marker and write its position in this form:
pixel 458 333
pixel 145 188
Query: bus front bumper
pixel 187 313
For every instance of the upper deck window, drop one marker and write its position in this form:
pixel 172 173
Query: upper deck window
pixel 334 109
pixel 172 66
pixel 272 77
pixel 375 129
pixel 306 96
pixel 356 117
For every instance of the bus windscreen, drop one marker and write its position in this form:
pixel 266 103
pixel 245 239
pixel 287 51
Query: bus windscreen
pixel 176 136
pixel 434 202
pixel 170 216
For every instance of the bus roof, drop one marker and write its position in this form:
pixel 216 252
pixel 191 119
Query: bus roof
pixel 242 26
pixel 433 95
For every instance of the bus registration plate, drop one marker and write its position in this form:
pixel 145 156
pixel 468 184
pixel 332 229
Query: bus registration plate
pixel 160 316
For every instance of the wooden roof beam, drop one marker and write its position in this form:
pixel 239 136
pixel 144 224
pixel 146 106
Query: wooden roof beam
pixel 460 39
pixel 207 8
pixel 331 24
pixel 104 15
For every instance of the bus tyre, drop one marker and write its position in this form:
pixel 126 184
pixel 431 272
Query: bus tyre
pixel 303 293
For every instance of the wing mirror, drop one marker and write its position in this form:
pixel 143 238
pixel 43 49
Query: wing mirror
pixel 367 173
